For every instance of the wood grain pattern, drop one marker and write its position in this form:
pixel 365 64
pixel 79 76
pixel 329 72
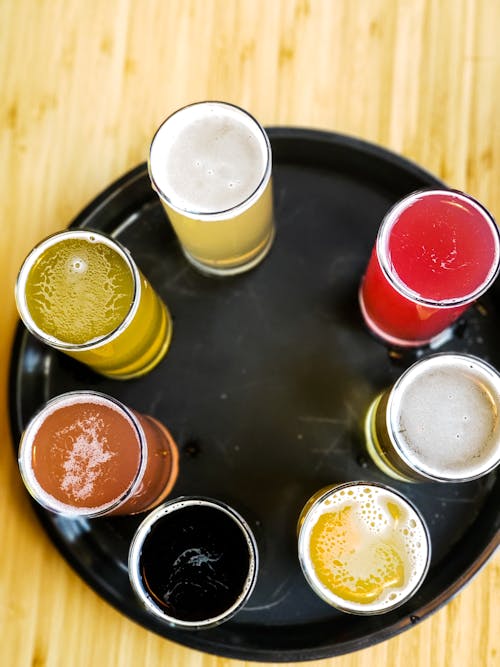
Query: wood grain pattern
pixel 84 85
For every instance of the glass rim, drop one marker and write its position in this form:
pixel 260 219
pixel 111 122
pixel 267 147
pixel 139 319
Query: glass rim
pixel 42 496
pixel 335 601
pixel 27 265
pixel 426 472
pixel 240 207
pixel 141 534
pixel 381 244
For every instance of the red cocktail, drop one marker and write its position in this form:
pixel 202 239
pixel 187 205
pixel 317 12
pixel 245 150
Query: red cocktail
pixel 87 454
pixel 436 252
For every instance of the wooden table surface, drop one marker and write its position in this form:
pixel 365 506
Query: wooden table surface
pixel 84 85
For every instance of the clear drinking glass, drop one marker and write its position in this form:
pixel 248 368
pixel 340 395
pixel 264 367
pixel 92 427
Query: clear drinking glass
pixel 193 562
pixel 440 421
pixel 363 547
pixel 81 292
pixel 436 252
pixel 87 454
pixel 211 164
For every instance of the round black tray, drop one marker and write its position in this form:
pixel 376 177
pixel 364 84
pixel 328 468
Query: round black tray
pixel 265 387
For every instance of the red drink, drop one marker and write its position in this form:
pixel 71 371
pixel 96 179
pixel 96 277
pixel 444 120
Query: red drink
pixel 436 252
pixel 87 454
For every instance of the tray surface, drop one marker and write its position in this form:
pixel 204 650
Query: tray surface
pixel 264 388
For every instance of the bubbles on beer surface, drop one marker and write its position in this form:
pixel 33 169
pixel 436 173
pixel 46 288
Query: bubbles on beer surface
pixel 77 264
pixel 85 456
pixel 85 453
pixel 363 548
pixel 441 245
pixel 78 290
pixel 447 417
pixel 214 160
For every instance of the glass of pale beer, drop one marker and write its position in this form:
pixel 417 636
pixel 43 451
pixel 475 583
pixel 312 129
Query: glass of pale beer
pixel 363 547
pixel 440 421
pixel 81 292
pixel 210 164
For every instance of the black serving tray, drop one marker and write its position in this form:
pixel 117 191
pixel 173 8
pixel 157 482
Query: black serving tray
pixel 265 387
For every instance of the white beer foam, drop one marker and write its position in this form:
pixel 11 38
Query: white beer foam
pixel 83 464
pixel 369 505
pixel 208 158
pixel 90 445
pixel 446 414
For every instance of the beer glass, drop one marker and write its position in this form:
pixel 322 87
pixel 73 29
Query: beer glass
pixel 363 547
pixel 81 292
pixel 439 422
pixel 87 454
pixel 193 562
pixel 210 164
pixel 436 252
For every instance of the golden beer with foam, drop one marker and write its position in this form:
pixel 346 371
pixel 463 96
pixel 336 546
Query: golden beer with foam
pixel 81 292
pixel 363 547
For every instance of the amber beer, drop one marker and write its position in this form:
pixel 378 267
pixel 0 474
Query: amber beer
pixel 440 421
pixel 210 164
pixel 87 454
pixel 81 292
pixel 363 548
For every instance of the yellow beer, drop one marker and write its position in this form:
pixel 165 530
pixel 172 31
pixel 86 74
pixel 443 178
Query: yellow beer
pixel 230 242
pixel 80 292
pixel 363 547
pixel 210 163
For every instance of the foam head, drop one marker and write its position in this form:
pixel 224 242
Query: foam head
pixel 443 417
pixel 209 158
pixel 82 454
pixel 77 288
pixel 363 548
